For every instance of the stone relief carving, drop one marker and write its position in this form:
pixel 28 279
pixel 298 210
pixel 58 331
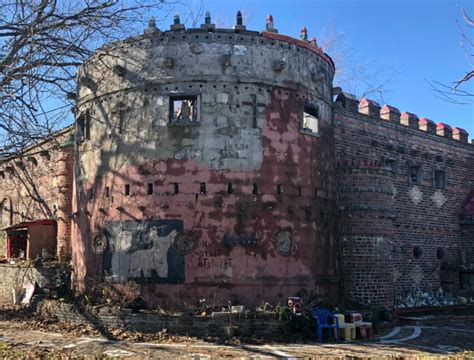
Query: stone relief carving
pixel 283 242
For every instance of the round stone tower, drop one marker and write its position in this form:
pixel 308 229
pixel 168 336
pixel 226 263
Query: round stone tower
pixel 203 166
pixel 365 226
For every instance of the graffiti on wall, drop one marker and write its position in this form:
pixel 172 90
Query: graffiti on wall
pixel 143 251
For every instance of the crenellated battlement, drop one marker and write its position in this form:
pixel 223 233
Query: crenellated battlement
pixel 208 32
pixel 393 115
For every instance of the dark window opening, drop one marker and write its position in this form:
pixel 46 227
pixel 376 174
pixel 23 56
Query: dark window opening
pixel 183 109
pixel 107 191
pixel 175 188
pixel 280 189
pixel 121 109
pixel 202 188
pixel 391 165
pixel 414 173
pixel 127 190
pixel 255 189
pixel 300 191
pixel 230 188
pixel 84 127
pixel 440 253
pixel 417 252
pixel 439 179
pixel 311 119
pixel 90 194
pixel 149 190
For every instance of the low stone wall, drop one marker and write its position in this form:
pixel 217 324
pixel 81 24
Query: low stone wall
pixel 266 326
pixel 16 277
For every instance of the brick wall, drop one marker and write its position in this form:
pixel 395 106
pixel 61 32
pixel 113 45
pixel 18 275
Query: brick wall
pixel 262 325
pixel 37 184
pixel 373 157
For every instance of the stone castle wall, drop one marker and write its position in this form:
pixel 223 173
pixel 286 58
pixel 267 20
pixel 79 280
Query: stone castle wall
pixel 235 203
pixel 36 184
pixel 402 231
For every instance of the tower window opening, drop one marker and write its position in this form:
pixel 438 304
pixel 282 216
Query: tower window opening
pixel 417 252
pixel 183 109
pixel 280 189
pixel 439 179
pixel 202 188
pixel 439 253
pixel 149 189
pixel 391 165
pixel 255 189
pixel 83 127
pixel 300 191
pixel 107 191
pixel 310 119
pixel 230 188
pixel 414 174
pixel 127 190
pixel 175 188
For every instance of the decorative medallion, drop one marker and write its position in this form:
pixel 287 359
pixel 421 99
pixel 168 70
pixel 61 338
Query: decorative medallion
pixel 99 244
pixel 417 275
pixel 415 195
pixel 283 241
pixel 439 199
pixel 180 154
pixel 185 242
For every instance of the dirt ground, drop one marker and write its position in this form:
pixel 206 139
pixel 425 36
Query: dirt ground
pixel 25 337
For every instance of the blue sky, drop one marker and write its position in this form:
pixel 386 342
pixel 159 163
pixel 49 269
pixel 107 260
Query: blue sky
pixel 405 42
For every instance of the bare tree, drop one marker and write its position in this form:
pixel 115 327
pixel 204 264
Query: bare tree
pixel 456 92
pixel 359 76
pixel 41 44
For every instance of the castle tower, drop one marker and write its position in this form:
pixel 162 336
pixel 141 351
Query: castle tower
pixel 467 229
pixel 365 225
pixel 203 166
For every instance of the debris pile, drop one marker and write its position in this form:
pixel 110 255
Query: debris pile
pixel 419 298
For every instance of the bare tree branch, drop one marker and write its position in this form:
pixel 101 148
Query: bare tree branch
pixel 454 94
pixel 355 75
pixel 41 44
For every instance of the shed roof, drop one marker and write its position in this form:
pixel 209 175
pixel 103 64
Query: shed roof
pixel 26 224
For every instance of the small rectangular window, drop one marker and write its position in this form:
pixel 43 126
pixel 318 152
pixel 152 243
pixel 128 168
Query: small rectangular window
pixel 414 174
pixel 255 189
pixel 202 188
pixel 107 191
pixel 149 189
pixel 310 119
pixel 183 109
pixel 90 194
pixel 439 179
pixel 300 191
pixel 127 190
pixel 279 189
pixel 175 188
pixel 84 127
pixel 391 165
pixel 230 188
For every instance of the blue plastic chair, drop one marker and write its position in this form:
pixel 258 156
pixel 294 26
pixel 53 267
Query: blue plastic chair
pixel 322 316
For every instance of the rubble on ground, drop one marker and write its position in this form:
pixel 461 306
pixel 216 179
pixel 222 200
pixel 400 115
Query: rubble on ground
pixel 419 298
